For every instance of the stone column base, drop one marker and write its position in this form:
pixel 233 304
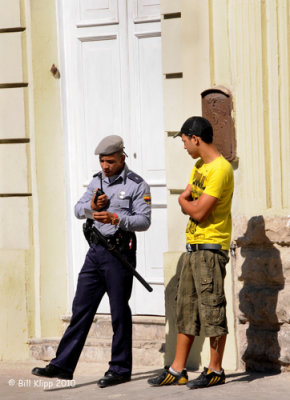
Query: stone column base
pixel 262 291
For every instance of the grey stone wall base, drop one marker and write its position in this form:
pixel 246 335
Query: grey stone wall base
pixel 148 342
pixel 261 260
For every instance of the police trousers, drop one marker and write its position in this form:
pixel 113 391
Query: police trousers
pixel 101 273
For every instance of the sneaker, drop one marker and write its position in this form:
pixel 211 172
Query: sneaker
pixel 167 378
pixel 207 378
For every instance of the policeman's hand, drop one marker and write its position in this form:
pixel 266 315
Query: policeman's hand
pixel 101 202
pixel 103 216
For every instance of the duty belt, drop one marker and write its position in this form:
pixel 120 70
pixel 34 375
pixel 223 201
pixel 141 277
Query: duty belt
pixel 123 241
pixel 191 248
pixel 93 235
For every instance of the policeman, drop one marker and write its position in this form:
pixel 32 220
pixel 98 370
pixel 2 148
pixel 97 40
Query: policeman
pixel 118 200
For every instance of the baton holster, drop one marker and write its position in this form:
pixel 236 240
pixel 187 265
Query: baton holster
pixel 124 241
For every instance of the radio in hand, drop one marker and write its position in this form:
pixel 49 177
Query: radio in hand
pixel 99 192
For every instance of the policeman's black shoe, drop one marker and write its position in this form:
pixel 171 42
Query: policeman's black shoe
pixel 52 371
pixel 207 378
pixel 112 378
pixel 167 378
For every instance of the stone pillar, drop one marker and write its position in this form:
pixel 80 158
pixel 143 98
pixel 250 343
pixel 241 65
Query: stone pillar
pixel 262 278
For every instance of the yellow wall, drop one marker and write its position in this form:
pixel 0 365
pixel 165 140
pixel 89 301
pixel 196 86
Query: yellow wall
pixel 16 272
pixel 244 46
pixel 192 44
pixel 250 55
pixel 49 164
pixel 33 274
pixel 241 44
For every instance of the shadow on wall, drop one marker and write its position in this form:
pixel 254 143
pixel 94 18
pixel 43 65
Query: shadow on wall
pixel 262 278
pixel 194 359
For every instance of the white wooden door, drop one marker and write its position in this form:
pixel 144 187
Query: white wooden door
pixel 112 84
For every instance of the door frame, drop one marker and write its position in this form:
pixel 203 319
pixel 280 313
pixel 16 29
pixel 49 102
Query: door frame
pixel 71 122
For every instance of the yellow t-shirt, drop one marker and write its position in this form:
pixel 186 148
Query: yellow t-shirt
pixel 215 179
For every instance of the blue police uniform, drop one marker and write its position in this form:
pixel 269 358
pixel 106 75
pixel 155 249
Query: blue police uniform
pixel 129 197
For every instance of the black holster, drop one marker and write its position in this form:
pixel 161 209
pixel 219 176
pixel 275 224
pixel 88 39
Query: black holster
pixel 124 241
pixel 121 242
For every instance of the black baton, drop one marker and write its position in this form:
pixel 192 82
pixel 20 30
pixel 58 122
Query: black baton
pixel 119 256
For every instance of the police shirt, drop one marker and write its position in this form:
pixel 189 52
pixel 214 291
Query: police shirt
pixel 128 196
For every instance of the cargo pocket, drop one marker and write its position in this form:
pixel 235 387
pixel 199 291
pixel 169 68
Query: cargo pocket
pixel 213 307
pixel 206 285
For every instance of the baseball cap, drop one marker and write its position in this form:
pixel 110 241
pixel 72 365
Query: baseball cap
pixel 197 126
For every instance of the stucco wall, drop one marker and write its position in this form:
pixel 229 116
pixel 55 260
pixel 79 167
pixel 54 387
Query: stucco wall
pixel 33 279
pixel 15 200
pixel 262 282
pixel 181 100
pixel 49 164
pixel 242 45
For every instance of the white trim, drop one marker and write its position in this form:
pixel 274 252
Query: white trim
pixel 97 38
pixel 34 190
pixel 141 20
pixel 68 159
pixel 90 24
pixel 158 205
pixel 153 281
pixel 71 41
pixel 146 35
pixel 156 184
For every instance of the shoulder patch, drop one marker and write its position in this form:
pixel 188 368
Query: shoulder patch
pixel 134 177
pixel 98 174
pixel 147 198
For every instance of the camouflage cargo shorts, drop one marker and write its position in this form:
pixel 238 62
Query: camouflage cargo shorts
pixel 200 295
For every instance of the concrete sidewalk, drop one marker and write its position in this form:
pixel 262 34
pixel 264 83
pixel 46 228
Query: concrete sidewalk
pixel 17 382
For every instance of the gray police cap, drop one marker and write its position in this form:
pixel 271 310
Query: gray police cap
pixel 110 145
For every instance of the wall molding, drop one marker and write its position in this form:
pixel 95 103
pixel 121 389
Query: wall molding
pixel 172 15
pixel 12 141
pixel 174 75
pixel 11 30
pixel 13 85
pixel 15 194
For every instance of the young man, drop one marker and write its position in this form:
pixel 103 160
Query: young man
pixel 200 296
pixel 121 208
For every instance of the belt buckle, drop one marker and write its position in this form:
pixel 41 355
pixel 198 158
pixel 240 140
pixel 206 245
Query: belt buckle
pixel 191 248
pixel 194 247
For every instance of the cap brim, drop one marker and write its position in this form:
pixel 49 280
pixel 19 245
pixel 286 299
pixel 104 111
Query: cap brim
pixel 177 134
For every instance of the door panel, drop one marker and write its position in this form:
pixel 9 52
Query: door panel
pixel 145 10
pixel 147 108
pixel 101 97
pixel 149 77
pixel 97 12
pixel 113 85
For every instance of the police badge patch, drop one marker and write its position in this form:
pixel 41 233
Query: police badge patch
pixel 122 195
pixel 147 198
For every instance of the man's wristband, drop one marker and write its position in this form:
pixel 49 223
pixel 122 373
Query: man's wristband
pixel 114 219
